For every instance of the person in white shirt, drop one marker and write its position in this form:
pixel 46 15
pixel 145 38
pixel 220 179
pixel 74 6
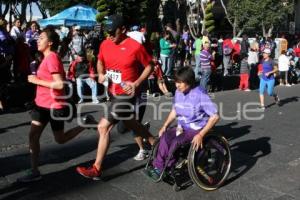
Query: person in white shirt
pixel 136 35
pixel 16 31
pixel 283 67
pixel 252 63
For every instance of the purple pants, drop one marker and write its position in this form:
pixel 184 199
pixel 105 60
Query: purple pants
pixel 168 143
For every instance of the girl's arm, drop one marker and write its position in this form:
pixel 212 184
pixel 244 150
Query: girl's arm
pixel 57 82
pixel 170 119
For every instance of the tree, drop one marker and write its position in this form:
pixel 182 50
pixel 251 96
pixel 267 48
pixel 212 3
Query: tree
pixel 209 22
pixel 242 15
pixel 134 10
pixel 103 8
pixel 200 16
pixel 17 8
pixel 194 17
pixel 271 13
pixel 55 6
pixel 249 14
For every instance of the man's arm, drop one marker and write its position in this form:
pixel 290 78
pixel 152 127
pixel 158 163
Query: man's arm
pixel 130 87
pixel 146 73
pixel 101 71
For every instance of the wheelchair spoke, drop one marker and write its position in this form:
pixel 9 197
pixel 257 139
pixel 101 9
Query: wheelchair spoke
pixel 209 167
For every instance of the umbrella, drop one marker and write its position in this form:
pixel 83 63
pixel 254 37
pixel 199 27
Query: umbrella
pixel 81 15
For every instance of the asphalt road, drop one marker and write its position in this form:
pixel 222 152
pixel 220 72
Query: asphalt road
pixel 265 149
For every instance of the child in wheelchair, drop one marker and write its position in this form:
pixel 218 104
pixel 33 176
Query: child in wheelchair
pixel 196 114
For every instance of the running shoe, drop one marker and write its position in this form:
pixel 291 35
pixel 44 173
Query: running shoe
pixel 31 176
pixel 95 101
pixel 147 125
pixel 89 172
pixel 80 101
pixel 168 94
pixel 142 155
pixel 261 107
pixel 276 99
pixel 154 173
pixel 89 119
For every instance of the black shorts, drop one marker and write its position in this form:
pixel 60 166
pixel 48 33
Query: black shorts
pixel 121 108
pixel 44 115
pixel 283 74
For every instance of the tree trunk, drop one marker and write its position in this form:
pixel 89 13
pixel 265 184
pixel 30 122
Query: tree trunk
pixel 30 11
pixel 226 13
pixel 5 9
pixel 203 11
pixel 240 32
pixel 234 26
pixel 10 16
pixel 263 29
pixel 178 25
pixel 193 17
pixel 23 11
pixel 270 31
pixel 42 10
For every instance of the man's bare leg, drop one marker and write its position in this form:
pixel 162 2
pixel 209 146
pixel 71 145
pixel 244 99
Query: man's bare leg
pixel 104 128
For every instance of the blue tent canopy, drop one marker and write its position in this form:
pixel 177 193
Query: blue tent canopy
pixel 81 15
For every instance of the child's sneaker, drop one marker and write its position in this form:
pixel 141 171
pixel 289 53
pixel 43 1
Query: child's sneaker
pixel 154 174
pixel 247 90
pixel 261 107
pixel 31 176
pixel 142 155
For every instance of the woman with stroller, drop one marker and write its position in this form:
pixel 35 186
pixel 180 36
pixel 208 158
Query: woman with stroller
pixel 196 114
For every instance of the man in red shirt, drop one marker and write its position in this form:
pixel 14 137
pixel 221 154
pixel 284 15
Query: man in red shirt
pixel 120 59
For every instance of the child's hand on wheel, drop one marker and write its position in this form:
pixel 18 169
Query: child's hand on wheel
pixel 197 141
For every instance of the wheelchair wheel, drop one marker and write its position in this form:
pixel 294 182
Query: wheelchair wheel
pixel 209 167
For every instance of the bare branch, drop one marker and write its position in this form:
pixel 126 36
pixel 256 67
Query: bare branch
pixel 226 13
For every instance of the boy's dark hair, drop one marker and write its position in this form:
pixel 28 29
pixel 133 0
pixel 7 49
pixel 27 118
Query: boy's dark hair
pixel 53 37
pixel 186 75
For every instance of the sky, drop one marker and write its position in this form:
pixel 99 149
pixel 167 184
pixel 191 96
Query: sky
pixel 35 11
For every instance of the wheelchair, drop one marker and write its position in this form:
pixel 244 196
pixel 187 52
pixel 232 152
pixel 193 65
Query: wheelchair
pixel 208 167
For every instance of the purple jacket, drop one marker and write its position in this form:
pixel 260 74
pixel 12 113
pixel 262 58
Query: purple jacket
pixel 194 108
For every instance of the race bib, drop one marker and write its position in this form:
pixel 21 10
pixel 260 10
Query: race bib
pixel 114 76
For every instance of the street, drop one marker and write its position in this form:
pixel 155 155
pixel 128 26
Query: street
pixel 265 147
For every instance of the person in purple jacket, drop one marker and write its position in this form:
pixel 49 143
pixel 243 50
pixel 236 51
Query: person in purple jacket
pixel 32 36
pixel 196 114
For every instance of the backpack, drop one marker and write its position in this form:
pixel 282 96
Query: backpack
pixel 227 50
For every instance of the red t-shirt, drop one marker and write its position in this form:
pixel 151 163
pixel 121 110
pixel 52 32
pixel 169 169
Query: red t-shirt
pixel 237 48
pixel 123 62
pixel 228 42
pixel 297 51
pixel 46 97
pixel 260 67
